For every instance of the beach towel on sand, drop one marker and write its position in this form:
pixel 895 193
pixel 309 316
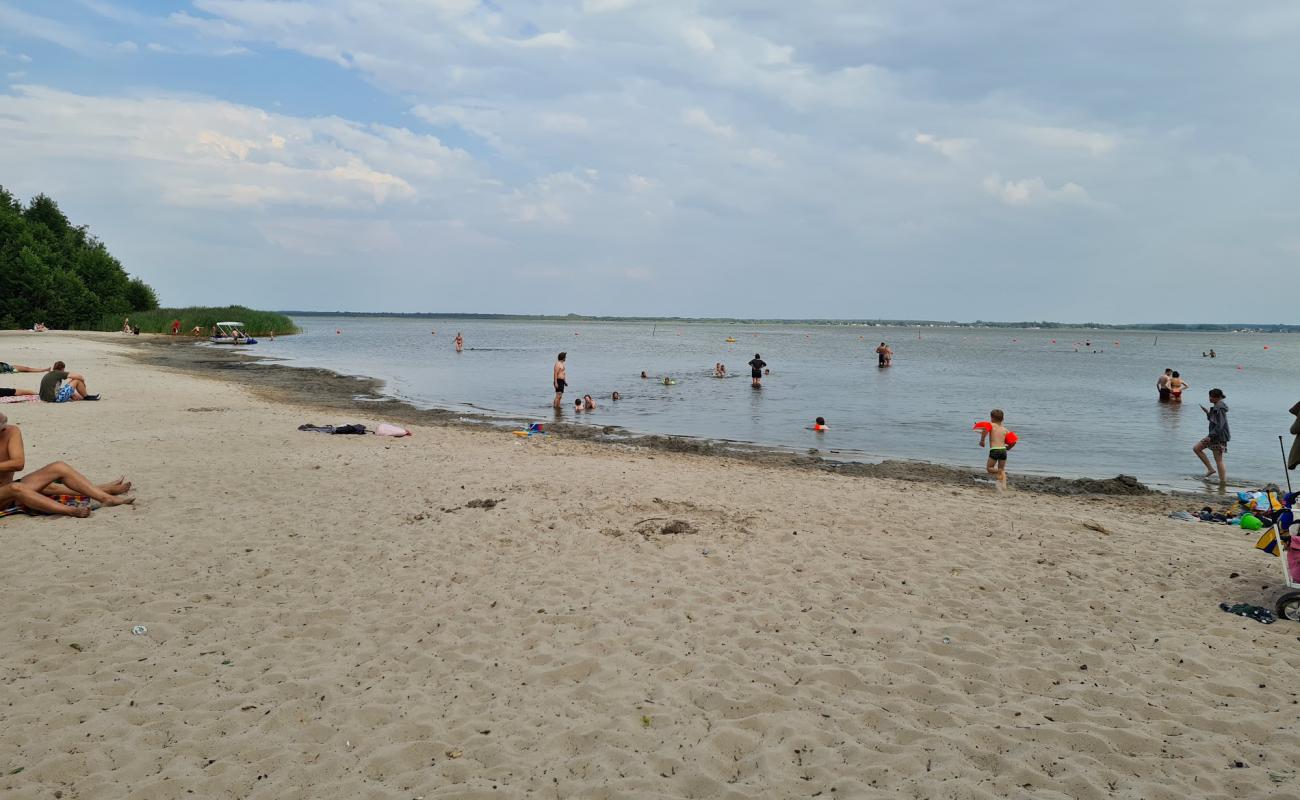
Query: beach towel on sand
pixel 22 398
pixel 66 499
pixel 333 428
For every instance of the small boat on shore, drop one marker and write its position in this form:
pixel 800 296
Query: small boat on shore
pixel 231 333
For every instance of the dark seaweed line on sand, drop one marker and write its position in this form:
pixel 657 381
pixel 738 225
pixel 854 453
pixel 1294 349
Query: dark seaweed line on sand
pixel 329 390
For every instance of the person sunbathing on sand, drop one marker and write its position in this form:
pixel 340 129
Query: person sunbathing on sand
pixel 7 392
pixel 6 369
pixel 32 491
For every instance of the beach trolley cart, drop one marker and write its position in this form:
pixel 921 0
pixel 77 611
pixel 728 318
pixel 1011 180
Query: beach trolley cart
pixel 232 333
pixel 1288 605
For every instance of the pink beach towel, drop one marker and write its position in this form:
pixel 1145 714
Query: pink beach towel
pixel 22 398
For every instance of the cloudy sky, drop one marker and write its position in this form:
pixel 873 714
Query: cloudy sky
pixel 949 159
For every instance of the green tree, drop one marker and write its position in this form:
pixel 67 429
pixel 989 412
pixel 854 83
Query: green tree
pixel 55 272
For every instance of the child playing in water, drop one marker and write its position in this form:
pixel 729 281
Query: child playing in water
pixel 996 435
pixel 820 424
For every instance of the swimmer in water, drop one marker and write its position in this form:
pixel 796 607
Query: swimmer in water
pixel 460 342
pixel 820 424
pixel 643 375
pixel 998 447
pixel 577 404
pixel 588 404
pixel 882 357
pixel 616 397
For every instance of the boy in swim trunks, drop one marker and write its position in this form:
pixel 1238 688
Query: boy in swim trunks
pixel 559 378
pixel 997 442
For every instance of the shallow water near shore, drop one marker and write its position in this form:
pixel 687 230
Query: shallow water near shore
pixel 1083 402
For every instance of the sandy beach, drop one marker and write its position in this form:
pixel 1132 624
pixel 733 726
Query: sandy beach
pixel 466 613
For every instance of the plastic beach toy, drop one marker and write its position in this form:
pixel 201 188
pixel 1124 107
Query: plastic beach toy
pixel 1251 522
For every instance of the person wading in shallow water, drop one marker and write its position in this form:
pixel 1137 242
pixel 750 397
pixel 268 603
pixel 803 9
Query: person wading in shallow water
pixel 1217 437
pixel 756 365
pixel 559 379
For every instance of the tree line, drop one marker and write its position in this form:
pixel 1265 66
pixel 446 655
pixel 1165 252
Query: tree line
pixel 57 273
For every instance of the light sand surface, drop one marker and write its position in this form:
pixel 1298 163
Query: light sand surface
pixel 327 619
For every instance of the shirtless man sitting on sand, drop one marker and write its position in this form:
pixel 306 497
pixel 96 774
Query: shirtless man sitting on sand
pixel 31 491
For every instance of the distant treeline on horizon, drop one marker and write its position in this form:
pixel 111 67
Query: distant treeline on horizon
pixel 891 323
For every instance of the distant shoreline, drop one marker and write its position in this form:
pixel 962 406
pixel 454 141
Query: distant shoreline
pixel 1157 327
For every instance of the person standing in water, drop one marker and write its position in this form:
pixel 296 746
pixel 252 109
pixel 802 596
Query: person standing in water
pixel 882 355
pixel 1162 385
pixel 559 378
pixel 1176 387
pixel 460 342
pixel 756 370
pixel 1217 437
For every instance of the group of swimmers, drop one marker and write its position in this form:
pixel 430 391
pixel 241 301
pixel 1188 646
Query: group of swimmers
pixel 560 380
pixel 57 385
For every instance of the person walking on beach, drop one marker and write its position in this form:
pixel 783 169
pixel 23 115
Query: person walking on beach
pixel 1162 385
pixel 559 378
pixel 1217 437
pixel 756 365
pixel 460 342
pixel 176 327
pixel 996 435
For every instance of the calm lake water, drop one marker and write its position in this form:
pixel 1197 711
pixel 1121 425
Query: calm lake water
pixel 1078 412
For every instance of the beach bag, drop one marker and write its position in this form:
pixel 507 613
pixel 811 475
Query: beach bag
pixel 385 429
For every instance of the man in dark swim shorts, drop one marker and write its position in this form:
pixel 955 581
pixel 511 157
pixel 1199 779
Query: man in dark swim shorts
pixel 756 370
pixel 6 392
pixel 559 379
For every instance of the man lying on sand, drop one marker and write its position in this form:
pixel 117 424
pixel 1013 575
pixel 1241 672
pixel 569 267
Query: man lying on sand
pixel 61 386
pixel 6 369
pixel 6 392
pixel 31 491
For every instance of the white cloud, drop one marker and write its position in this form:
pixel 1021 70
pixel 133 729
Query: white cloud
pixel 699 119
pixel 698 40
pixel 557 39
pixel 561 122
pixel 603 6
pixel 764 158
pixel 1034 191
pixel 552 199
pixel 126 47
pixel 1096 144
pixel 948 148
pixel 211 153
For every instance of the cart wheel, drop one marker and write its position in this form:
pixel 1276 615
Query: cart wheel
pixel 1288 606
